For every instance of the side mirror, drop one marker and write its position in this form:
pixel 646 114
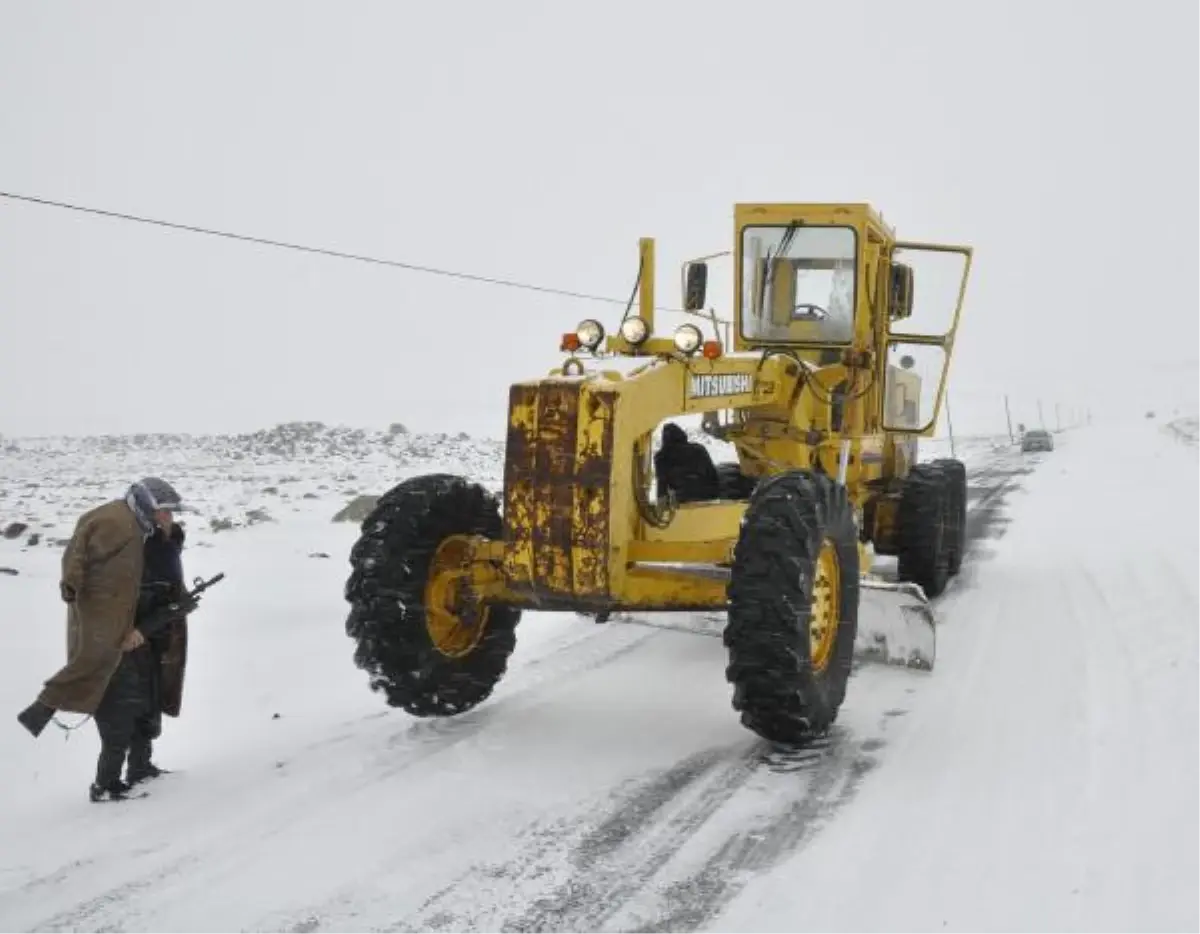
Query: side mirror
pixel 901 303
pixel 696 287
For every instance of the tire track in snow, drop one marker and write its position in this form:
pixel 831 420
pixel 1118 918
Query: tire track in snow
pixel 570 661
pixel 986 516
pixel 619 858
pixel 609 888
pixel 736 808
pixel 569 657
pixel 273 813
pixel 687 903
pixel 81 916
pixel 610 862
pixel 577 871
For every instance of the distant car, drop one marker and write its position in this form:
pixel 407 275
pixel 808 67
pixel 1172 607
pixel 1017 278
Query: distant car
pixel 1037 440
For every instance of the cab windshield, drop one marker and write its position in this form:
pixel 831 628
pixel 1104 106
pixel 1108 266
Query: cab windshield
pixel 798 283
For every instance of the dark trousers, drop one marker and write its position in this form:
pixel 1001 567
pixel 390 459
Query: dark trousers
pixel 127 718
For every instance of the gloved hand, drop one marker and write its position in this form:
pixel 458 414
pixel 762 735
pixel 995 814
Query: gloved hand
pixel 68 595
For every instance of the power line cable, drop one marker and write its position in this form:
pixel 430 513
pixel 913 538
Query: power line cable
pixel 322 251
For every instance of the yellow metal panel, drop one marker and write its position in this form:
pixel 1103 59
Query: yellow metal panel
pixel 664 589
pixel 558 466
pixel 713 552
pixel 592 471
pixel 699 522
pixel 646 281
pixel 520 496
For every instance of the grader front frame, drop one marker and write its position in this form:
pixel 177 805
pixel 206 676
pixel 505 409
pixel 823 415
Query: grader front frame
pixel 826 477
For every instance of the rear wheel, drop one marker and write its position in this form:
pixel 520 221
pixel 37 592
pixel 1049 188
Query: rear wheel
pixel 427 644
pixel 793 607
pixel 956 526
pixel 922 529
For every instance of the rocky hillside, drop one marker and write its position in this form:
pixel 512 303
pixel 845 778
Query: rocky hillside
pixel 228 481
pixel 298 469
pixel 1186 430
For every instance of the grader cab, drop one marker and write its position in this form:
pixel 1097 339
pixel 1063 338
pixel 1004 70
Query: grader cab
pixel 817 394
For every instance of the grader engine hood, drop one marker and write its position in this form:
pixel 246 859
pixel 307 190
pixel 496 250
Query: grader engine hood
pixel 557 483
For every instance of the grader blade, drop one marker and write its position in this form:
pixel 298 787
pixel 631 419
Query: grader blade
pixel 896 625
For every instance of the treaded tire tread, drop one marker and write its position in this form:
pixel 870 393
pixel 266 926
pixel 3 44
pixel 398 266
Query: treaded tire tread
pixel 922 519
pixel 386 591
pixel 778 693
pixel 956 480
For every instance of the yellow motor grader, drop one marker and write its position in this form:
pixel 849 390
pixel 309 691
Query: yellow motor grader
pixel 818 397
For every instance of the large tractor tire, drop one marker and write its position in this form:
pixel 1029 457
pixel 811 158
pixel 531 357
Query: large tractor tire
pixel 430 650
pixel 923 533
pixel 793 607
pixel 956 481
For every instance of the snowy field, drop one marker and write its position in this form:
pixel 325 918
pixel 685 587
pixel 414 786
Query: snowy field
pixel 1043 777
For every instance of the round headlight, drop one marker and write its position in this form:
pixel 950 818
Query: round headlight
pixel 634 330
pixel 688 338
pixel 590 333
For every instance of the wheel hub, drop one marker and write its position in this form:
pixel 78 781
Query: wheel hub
pixel 455 617
pixel 826 607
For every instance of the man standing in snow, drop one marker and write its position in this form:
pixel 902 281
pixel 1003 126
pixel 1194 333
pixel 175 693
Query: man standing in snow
pixel 101 582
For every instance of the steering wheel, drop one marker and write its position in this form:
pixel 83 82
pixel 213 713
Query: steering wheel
pixel 812 311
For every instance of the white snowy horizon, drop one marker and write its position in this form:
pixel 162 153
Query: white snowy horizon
pixel 537 141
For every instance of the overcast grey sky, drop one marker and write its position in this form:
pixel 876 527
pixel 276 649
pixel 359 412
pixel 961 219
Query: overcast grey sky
pixel 538 141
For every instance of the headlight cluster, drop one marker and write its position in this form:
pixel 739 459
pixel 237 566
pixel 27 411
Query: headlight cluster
pixel 589 335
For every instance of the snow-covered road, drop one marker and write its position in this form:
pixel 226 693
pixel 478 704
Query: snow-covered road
pixel 1043 777
pixel 1046 777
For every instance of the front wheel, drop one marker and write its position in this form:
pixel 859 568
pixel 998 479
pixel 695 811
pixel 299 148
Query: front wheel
pixel 426 642
pixel 793 607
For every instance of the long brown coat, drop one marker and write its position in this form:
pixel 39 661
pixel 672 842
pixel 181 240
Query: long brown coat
pixel 103 566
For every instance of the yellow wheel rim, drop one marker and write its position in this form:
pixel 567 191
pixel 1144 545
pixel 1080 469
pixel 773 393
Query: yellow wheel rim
pixel 455 620
pixel 826 607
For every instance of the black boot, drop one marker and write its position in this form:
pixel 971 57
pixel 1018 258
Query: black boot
pixel 140 767
pixel 116 791
pixel 35 717
pixel 141 771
